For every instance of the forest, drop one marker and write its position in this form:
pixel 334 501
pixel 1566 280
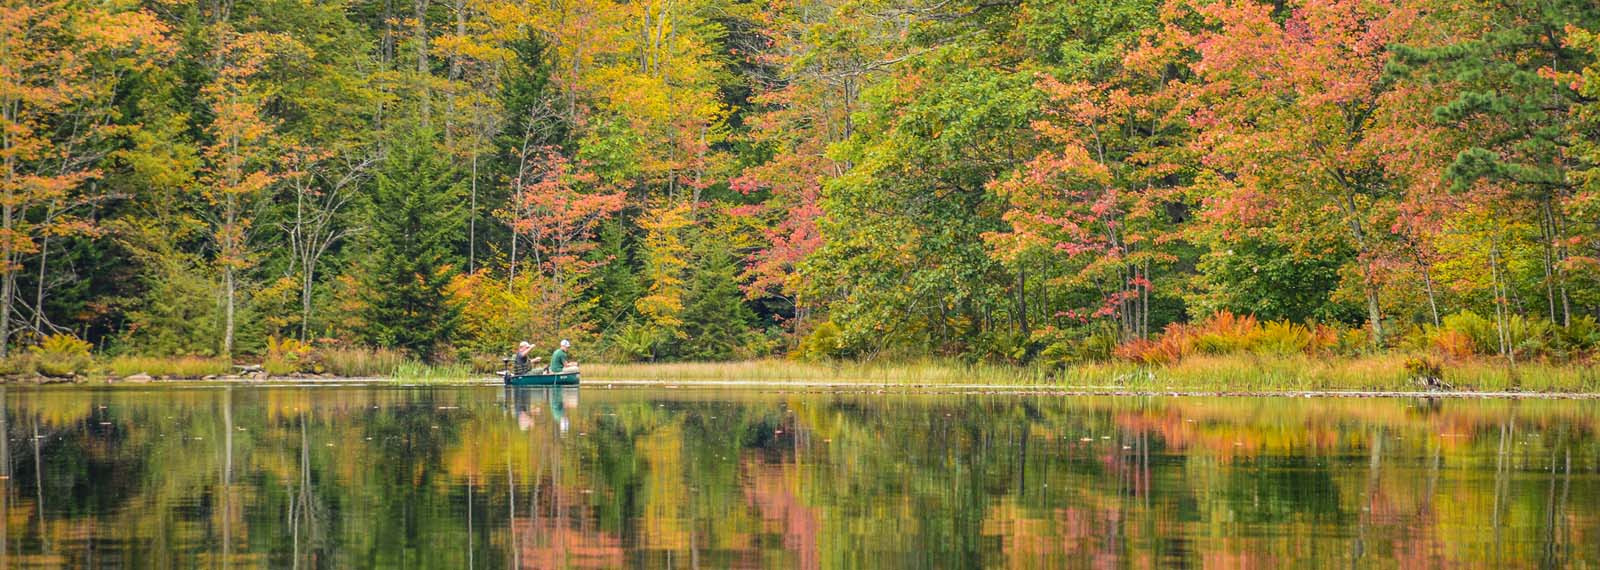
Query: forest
pixel 1017 181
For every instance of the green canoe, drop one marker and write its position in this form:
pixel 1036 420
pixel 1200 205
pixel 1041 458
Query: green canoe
pixel 543 379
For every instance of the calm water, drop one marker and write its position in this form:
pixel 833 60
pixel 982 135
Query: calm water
pixel 482 477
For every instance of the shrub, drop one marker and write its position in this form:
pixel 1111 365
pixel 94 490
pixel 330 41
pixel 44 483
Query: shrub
pixel 1176 342
pixel 288 356
pixel 1325 338
pixel 1481 332
pixel 1060 348
pixel 1143 351
pixel 1426 371
pixel 1282 337
pixel 1523 335
pixel 1098 346
pixel 485 363
pixel 636 341
pixel 1582 333
pixel 1001 345
pixel 760 345
pixel 1353 342
pixel 826 342
pixel 20 364
pixel 1531 336
pixel 1226 333
pixel 62 355
pixel 1454 344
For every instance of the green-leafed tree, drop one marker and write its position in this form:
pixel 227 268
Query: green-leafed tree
pixel 616 279
pixel 413 219
pixel 716 320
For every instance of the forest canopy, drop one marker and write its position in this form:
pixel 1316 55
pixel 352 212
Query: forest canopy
pixel 717 179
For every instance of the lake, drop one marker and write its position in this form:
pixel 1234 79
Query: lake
pixel 453 477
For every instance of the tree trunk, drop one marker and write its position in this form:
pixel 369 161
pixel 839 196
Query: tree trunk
pixel 1427 283
pixel 1561 258
pixel 1547 232
pixel 1501 310
pixel 455 75
pixel 38 293
pixel 307 281
pixel 227 334
pixel 472 218
pixel 1022 303
pixel 420 31
pixel 1369 285
pixel 1144 302
pixel 7 252
pixel 8 286
pixel 512 268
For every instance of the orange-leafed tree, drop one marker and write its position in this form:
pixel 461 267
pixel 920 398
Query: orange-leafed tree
pixel 241 159
pixel 59 61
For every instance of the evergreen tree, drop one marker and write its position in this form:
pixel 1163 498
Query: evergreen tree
pixel 413 214
pixel 616 282
pixel 715 316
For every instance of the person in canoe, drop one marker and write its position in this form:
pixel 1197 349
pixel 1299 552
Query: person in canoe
pixel 560 362
pixel 520 363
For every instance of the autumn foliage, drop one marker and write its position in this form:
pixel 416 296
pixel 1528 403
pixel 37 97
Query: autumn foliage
pixel 995 182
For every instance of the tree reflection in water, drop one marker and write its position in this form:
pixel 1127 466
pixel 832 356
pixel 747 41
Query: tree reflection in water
pixel 481 477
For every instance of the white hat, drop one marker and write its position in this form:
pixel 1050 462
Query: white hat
pixel 525 344
pixel 565 343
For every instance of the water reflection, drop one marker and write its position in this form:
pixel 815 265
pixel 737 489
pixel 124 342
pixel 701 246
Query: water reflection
pixel 530 402
pixel 485 477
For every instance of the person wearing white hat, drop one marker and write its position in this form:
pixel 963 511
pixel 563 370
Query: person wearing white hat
pixel 520 363
pixel 558 359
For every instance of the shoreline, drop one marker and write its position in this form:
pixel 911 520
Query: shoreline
pixel 833 386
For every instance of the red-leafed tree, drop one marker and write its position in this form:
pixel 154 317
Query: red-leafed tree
pixel 1094 204
pixel 1285 103
pixel 557 210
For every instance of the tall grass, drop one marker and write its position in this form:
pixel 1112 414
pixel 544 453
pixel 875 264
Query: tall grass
pixel 418 372
pixel 362 363
pixel 171 366
pixel 919 372
pixel 1234 372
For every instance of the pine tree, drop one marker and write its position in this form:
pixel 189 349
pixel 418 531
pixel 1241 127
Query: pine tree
pixel 1500 60
pixel 715 316
pixel 413 214
pixel 616 282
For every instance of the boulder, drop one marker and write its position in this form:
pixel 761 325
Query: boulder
pixel 138 378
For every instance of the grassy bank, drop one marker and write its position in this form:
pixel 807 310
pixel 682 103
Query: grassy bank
pixel 1238 372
